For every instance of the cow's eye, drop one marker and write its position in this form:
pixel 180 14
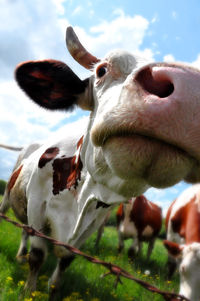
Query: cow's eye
pixel 101 71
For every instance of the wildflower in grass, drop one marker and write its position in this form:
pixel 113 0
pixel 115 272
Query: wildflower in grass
pixel 36 294
pixel 28 299
pixel 9 279
pixel 147 272
pixel 43 277
pixel 10 292
pixel 169 282
pixel 20 283
pixel 75 294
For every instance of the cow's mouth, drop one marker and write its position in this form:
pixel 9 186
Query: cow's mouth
pixel 149 139
pixel 102 139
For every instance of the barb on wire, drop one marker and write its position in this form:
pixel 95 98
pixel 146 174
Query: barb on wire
pixel 113 269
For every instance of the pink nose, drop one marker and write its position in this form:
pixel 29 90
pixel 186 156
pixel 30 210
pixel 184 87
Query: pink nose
pixel 169 104
pixel 156 80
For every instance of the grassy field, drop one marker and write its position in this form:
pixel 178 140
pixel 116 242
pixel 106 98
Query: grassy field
pixel 82 280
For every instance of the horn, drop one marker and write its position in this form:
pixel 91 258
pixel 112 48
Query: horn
pixel 77 51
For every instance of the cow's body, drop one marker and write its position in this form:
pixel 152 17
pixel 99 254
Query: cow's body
pixel 18 201
pixel 135 138
pixel 183 240
pixel 141 220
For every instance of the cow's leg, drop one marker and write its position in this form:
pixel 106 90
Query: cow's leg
pixel 5 204
pixel 55 281
pixel 135 248
pixel 139 250
pixel 99 234
pixel 150 247
pixel 101 229
pixel 171 264
pixel 36 258
pixel 22 251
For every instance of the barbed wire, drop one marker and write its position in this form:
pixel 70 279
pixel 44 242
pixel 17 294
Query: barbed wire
pixel 113 269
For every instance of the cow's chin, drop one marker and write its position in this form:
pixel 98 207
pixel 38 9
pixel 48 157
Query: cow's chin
pixel 157 163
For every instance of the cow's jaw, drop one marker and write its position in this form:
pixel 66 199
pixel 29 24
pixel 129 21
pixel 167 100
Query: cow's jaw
pixel 157 163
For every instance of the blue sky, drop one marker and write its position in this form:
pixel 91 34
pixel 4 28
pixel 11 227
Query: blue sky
pixel 165 30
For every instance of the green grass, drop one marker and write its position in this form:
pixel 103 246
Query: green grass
pixel 82 280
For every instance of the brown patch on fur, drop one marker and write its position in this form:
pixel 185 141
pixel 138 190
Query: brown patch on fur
pixel 145 213
pixel 173 248
pixel 67 171
pixel 120 214
pixel 80 142
pixel 18 200
pixel 13 178
pixel 186 222
pixel 48 155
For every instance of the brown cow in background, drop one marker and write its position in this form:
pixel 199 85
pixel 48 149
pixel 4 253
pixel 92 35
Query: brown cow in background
pixel 141 220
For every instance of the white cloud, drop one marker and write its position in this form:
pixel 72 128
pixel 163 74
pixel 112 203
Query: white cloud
pixel 155 19
pixel 59 4
pixel 171 58
pixel 196 63
pixel 21 120
pixel 77 10
pixel 168 58
pixel 174 15
pixel 36 30
pixel 164 197
pixel 123 32
pixel 30 30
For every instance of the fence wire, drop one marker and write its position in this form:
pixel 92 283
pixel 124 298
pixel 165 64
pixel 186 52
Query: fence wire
pixel 113 269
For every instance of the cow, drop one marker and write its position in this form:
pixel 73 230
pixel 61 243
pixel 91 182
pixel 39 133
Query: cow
pixel 183 240
pixel 143 131
pixel 141 220
pixel 25 152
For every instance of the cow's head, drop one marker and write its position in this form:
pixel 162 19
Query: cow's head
pixel 189 268
pixel 144 125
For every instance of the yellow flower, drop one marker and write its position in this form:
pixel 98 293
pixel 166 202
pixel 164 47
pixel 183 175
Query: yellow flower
pixel 9 279
pixel 28 299
pixel 21 283
pixel 75 294
pixel 43 277
pixel 36 293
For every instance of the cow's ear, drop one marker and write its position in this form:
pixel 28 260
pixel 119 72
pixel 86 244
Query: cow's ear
pixel 173 248
pixel 51 84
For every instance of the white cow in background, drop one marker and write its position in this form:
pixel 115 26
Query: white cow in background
pixel 143 131
pixel 5 204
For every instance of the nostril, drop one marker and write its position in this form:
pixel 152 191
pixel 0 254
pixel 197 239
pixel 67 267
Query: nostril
pixel 157 84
